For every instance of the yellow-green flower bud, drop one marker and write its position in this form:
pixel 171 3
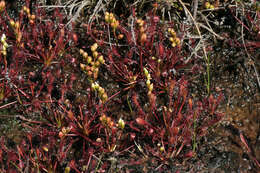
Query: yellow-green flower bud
pixel 89 59
pixel 101 59
pixel 212 7
pixel 12 23
pixel 146 72
pixel 162 149
pixel 121 123
pixel 95 54
pixel 94 47
pixel 107 17
pixel 81 51
pixel 173 44
pixel 4 53
pixel 67 170
pixel 150 87
pixel 4 49
pixel 104 97
pixel 148 83
pixel 207 5
pixel 3 38
pixel 85 54
pixel 148 77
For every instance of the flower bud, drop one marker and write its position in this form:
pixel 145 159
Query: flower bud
pixel 173 44
pixel 148 77
pixel 146 72
pixel 107 17
pixel 150 88
pixel 101 59
pixel 85 54
pixel 104 97
pixel 67 170
pixel 101 91
pixel 32 17
pixel 89 59
pixel 12 23
pixel 207 5
pixel 142 29
pixel 114 24
pixel 17 24
pixel 4 53
pixel 4 49
pixel 121 123
pixel 148 83
pixel 2 5
pixel 211 6
pixel 81 51
pixel 162 149
pixel 94 47
pixel 3 38
pixel 95 54
pixel 27 10
pixel 82 66
pixel 45 148
pixel 177 41
pixel 120 36
pixel 98 140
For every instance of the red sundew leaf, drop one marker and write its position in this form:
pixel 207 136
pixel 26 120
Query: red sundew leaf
pixel 133 127
pixel 132 136
pixel 244 142
pixel 20 151
pixel 1 156
pixel 141 121
pixel 73 166
pixel 156 19
pixel 189 154
pixel 174 131
pixel 115 52
pixel 75 38
pixel 12 156
pixel 172 140
pixel 161 50
pixel 179 150
pixel 71 115
pixel 190 104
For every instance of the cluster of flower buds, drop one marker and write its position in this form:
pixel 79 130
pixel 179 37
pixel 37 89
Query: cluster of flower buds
pixel 161 148
pixel 156 59
pixel 2 5
pixel 151 96
pixel 209 6
pixel 64 131
pixel 148 81
pixel 173 38
pixel 5 45
pixel 93 64
pixel 106 121
pixel 110 18
pixel 16 27
pixel 143 36
pixel 101 91
pixel 30 16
